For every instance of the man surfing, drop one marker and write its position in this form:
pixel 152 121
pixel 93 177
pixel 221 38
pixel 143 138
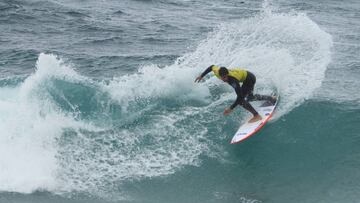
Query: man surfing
pixel 244 93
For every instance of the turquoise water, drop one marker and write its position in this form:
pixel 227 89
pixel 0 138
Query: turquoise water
pixel 98 101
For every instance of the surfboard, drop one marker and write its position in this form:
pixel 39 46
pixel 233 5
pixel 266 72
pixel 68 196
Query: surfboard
pixel 266 110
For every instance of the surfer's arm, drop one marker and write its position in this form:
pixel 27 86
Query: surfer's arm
pixel 208 70
pixel 239 99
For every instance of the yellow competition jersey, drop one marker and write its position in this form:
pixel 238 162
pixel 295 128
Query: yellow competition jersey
pixel 238 73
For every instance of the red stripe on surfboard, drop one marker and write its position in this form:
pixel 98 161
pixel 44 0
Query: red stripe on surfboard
pixel 257 129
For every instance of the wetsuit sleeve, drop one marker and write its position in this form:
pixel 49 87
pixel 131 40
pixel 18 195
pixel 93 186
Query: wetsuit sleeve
pixel 235 84
pixel 208 70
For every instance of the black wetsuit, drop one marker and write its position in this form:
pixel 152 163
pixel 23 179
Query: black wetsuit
pixel 245 92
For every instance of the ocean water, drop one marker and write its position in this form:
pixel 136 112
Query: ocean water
pixel 98 101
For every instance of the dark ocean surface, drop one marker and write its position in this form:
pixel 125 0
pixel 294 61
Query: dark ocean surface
pixel 98 101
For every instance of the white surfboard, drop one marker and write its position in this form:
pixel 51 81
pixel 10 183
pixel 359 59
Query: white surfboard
pixel 266 110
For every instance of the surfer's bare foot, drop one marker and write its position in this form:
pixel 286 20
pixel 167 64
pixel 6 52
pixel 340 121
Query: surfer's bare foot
pixel 255 118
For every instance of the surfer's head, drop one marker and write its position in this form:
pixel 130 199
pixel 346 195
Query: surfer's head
pixel 224 72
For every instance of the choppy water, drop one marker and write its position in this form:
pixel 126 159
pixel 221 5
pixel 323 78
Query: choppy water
pixel 98 103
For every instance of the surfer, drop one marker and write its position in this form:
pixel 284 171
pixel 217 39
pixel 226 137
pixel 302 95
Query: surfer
pixel 244 93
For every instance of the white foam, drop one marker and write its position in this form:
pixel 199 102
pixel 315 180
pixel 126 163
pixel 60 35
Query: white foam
pixel 288 51
pixel 29 125
pixel 154 82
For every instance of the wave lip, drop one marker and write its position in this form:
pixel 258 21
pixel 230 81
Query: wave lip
pixel 80 135
pixel 30 124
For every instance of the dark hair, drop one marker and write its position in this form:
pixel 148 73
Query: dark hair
pixel 223 71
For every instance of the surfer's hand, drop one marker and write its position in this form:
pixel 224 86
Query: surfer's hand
pixel 227 111
pixel 198 79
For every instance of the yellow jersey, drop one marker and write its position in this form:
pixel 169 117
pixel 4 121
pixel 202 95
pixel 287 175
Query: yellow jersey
pixel 238 73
